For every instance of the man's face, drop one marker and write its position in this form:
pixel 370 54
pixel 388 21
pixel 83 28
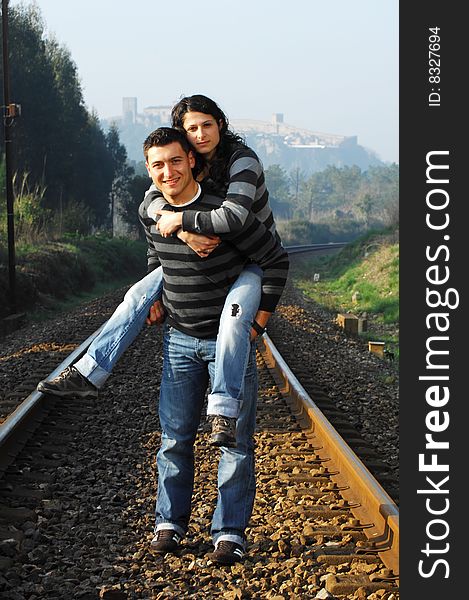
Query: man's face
pixel 203 132
pixel 170 169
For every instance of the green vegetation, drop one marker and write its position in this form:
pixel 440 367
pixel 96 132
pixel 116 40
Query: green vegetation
pixel 336 204
pixel 69 172
pixel 362 278
pixel 303 232
pixel 71 270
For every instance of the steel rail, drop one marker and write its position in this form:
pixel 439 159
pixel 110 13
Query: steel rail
pixel 17 427
pixel 368 500
pixel 314 247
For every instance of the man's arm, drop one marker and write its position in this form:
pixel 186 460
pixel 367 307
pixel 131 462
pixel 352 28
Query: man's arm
pixel 153 262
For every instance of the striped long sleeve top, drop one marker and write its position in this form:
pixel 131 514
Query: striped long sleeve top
pixel 246 192
pixel 195 288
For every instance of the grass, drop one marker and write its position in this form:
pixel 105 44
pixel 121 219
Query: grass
pixel 362 278
pixel 54 276
pixel 50 306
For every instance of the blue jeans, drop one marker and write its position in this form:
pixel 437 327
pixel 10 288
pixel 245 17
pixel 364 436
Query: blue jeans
pixel 188 366
pixel 121 329
pixel 233 343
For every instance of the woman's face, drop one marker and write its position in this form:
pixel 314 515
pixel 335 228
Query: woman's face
pixel 203 132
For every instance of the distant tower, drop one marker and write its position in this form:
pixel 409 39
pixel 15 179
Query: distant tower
pixel 129 109
pixel 277 118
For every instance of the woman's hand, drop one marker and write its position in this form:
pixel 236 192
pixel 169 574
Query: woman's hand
pixel 199 243
pixel 169 222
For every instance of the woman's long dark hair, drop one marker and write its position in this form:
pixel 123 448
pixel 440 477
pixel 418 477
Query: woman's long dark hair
pixel 229 141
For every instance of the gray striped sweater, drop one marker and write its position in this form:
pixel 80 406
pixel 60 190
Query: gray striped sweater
pixel 195 288
pixel 246 192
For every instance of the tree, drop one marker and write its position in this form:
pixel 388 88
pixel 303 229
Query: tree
pixel 33 86
pixel 137 186
pixel 365 205
pixel 278 184
pixel 123 172
pixel 57 141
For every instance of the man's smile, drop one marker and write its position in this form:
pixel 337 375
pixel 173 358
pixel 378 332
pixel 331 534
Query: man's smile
pixel 172 181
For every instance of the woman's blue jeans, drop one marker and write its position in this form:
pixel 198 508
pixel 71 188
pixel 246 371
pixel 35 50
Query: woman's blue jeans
pixel 233 340
pixel 233 343
pixel 188 366
pixel 121 329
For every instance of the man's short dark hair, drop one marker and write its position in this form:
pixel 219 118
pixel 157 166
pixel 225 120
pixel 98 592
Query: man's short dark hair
pixel 163 136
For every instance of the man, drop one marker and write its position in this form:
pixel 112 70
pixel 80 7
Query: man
pixel 194 293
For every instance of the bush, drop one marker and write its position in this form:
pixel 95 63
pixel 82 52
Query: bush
pixel 75 218
pixel 305 232
pixel 59 270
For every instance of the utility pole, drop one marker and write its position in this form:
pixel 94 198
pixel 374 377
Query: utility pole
pixel 10 111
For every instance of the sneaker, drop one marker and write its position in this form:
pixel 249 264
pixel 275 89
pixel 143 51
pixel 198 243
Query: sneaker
pixel 68 383
pixel 166 540
pixel 226 553
pixel 223 431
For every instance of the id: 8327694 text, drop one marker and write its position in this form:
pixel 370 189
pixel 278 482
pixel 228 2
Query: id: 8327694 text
pixel 434 66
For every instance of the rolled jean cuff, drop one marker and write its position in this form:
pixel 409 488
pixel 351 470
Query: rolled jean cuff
pixel 221 405
pixel 173 526
pixel 230 537
pixel 90 369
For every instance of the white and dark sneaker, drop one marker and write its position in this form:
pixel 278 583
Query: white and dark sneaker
pixel 223 431
pixel 226 553
pixel 166 540
pixel 68 383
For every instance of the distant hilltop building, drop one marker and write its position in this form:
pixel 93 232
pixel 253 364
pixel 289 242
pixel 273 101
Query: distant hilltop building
pixel 158 113
pixel 292 136
pixel 275 141
pixel 152 116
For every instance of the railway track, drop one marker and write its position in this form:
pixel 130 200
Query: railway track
pixel 77 500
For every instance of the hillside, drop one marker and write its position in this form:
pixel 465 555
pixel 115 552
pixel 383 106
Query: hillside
pixel 363 279
pixel 52 275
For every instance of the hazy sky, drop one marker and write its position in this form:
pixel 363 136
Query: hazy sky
pixel 328 65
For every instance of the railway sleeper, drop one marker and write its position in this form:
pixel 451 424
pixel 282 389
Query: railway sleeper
pixel 320 511
pixel 330 534
pixel 12 491
pixel 30 476
pixel 16 515
pixel 348 584
pixel 297 452
pixel 340 559
pixel 296 466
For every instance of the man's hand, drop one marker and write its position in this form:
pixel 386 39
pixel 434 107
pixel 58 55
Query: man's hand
pixel 199 243
pixel 157 314
pixel 169 222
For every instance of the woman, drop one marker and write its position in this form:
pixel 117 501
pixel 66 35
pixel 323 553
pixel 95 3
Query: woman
pixel 234 170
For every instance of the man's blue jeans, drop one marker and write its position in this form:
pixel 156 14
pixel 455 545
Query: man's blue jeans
pixel 233 343
pixel 188 366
